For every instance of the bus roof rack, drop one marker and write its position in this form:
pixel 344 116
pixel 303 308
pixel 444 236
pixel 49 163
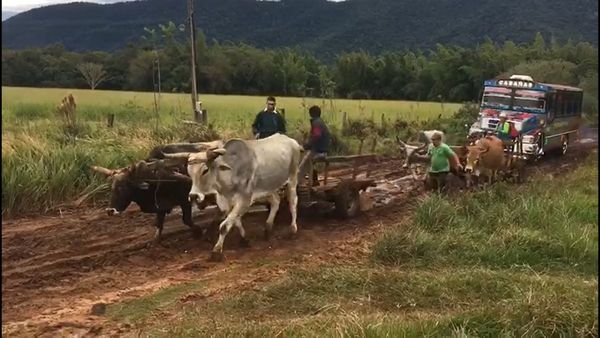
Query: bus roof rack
pixel 521 77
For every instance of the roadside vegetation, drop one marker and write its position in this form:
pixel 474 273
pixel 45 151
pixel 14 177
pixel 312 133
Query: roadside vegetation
pixel 46 155
pixel 509 261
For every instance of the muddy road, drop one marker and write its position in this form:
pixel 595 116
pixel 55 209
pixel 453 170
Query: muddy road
pixel 55 268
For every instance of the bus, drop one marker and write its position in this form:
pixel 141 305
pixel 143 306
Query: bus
pixel 546 115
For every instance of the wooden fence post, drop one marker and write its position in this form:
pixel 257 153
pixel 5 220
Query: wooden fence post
pixel 282 112
pixel 204 117
pixel 344 120
pixel 110 120
pixel 374 144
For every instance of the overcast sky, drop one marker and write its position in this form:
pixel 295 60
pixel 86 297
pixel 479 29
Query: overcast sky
pixel 23 5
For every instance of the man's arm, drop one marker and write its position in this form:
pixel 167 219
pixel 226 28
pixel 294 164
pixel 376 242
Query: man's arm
pixel 281 124
pixel 315 133
pixel 421 157
pixel 454 160
pixel 256 124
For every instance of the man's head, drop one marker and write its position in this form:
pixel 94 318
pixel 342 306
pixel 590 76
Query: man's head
pixel 314 111
pixel 436 139
pixel 502 117
pixel 270 103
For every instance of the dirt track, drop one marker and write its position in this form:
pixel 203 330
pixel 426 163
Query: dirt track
pixel 56 267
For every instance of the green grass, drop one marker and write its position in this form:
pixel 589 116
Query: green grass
pixel 225 111
pixel 544 226
pixel 446 273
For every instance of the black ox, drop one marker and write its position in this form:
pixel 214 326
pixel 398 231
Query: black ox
pixel 153 191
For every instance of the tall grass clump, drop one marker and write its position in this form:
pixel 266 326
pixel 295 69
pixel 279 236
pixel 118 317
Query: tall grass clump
pixel 38 176
pixel 45 170
pixel 550 224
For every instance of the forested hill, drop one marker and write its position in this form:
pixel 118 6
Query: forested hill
pixel 318 25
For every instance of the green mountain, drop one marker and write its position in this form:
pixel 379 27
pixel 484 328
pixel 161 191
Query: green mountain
pixel 324 27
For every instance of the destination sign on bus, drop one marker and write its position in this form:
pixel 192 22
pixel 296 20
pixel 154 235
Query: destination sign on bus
pixel 516 83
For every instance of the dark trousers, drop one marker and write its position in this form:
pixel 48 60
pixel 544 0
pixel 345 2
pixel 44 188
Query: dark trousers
pixel 437 180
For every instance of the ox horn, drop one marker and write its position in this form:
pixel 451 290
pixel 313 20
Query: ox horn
pixel 213 154
pixel 177 155
pixel 400 142
pixel 211 145
pixel 102 170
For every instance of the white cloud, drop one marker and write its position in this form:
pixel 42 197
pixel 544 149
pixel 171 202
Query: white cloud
pixel 24 5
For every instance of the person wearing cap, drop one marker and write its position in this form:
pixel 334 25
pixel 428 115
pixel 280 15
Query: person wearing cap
pixel 505 129
pixel 268 121
pixel 443 159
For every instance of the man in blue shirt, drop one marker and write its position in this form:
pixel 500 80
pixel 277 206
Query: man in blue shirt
pixel 268 121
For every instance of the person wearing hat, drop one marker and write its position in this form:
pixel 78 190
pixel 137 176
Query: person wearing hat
pixel 268 121
pixel 506 130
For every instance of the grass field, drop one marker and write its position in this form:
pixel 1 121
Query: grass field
pixel 228 111
pixel 46 164
pixel 502 262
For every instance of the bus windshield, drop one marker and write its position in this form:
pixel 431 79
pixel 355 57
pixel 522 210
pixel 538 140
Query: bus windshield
pixel 528 102
pixel 496 97
pixel 519 100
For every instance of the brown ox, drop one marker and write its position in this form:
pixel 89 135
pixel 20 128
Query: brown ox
pixel 485 157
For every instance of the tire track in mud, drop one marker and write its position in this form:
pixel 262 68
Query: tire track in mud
pixel 48 261
pixel 55 268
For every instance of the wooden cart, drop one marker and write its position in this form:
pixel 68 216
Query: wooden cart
pixel 342 179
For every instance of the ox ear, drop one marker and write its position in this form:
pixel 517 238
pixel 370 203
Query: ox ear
pixel 483 150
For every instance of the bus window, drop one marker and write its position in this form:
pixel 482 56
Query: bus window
pixel 529 99
pixel 559 104
pixel 496 97
pixel 550 102
pixel 579 103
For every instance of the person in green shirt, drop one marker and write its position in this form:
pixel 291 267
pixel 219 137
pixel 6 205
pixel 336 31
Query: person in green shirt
pixel 442 160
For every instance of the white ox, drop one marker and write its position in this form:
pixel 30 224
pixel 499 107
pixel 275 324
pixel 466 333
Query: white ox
pixel 243 172
pixel 411 150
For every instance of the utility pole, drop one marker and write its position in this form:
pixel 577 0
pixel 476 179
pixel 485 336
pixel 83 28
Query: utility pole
pixel 193 45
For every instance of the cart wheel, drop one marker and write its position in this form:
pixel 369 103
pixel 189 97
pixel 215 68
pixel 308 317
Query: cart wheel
pixel 347 202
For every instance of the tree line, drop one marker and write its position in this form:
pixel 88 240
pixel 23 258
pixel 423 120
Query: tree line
pixel 445 73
